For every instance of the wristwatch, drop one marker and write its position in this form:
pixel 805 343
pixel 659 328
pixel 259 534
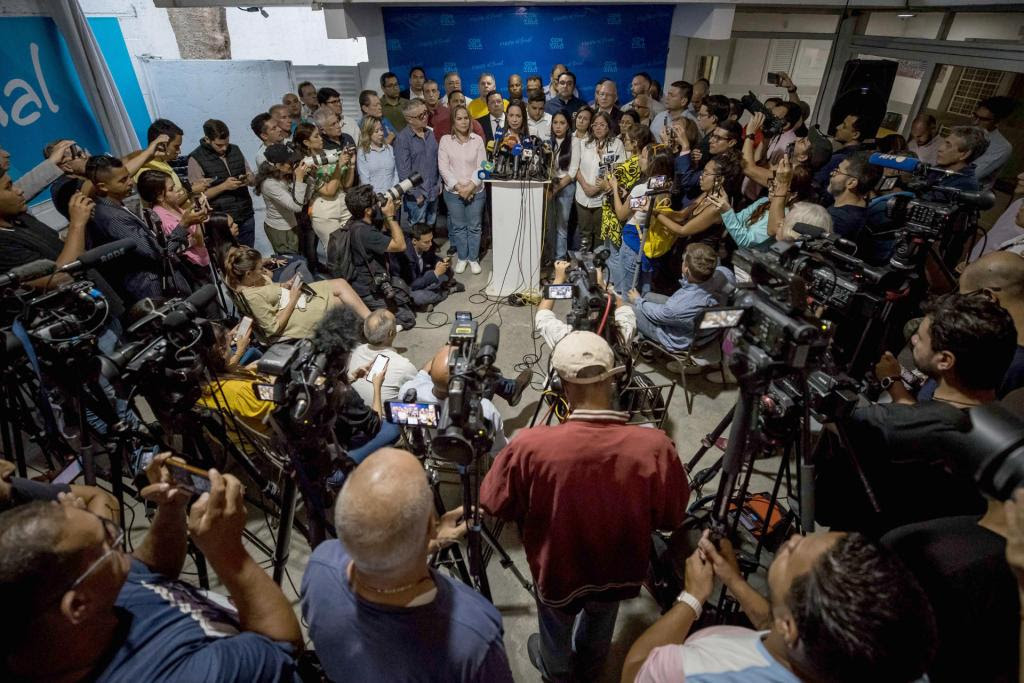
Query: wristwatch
pixel 751 136
pixel 690 599
pixel 889 381
pixel 791 90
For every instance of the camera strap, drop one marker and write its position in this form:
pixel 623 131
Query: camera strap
pixel 44 401
pixel 357 240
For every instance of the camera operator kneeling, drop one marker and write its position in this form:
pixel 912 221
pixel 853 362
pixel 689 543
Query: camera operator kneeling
pixel 289 310
pixel 77 607
pixel 669 320
pixel 909 452
pixel 369 245
pixel 552 330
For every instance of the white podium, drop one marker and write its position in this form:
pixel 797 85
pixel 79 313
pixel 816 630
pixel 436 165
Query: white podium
pixel 517 234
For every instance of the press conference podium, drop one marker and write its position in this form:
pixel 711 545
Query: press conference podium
pixel 517 235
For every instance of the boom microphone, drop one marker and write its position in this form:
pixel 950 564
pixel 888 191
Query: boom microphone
pixel 896 162
pixel 99 255
pixel 29 271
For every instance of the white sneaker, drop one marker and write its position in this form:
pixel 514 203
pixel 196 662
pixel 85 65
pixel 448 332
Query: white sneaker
pixel 474 268
pixel 460 266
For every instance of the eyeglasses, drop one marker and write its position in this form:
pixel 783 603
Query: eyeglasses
pixel 720 138
pixel 836 171
pixel 982 118
pixel 113 536
pixel 421 115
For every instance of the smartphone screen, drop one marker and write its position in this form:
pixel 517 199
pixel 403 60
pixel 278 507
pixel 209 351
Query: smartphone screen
pixel 463 316
pixel 243 327
pixel 636 203
pixel 187 477
pixel 558 292
pixel 773 78
pixel 380 364
pixel 658 182
pixel 412 414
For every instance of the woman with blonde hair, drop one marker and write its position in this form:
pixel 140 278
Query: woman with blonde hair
pixel 289 310
pixel 375 158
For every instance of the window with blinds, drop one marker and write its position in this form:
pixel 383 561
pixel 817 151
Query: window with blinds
pixel 974 85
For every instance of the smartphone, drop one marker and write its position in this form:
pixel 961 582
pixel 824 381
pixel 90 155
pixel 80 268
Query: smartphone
pixel 463 316
pixel 412 414
pixel 719 318
pixel 188 477
pixel 636 203
pixel 658 182
pixel 380 364
pixel 773 78
pixel 558 292
pixel 243 327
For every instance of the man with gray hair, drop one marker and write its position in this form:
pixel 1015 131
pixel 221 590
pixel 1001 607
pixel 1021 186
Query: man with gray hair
pixel 376 610
pixel 380 329
pixel 416 152
pixel 957 153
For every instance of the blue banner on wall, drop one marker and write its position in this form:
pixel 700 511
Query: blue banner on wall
pixel 42 99
pixel 607 41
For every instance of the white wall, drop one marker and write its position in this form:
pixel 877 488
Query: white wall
pixel 975 25
pixel 294 34
pixel 800 23
pixel 921 25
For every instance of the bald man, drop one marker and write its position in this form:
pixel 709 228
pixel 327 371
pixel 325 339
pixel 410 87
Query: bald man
pixel 1001 275
pixel 376 609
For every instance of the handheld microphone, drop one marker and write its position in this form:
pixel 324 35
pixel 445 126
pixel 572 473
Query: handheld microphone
pixel 100 255
pixel 489 344
pixel 897 162
pixel 197 301
pixel 29 271
pixel 517 152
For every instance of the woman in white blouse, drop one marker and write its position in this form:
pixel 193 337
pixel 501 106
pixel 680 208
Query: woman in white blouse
pixel 598 155
pixel 565 163
pixel 459 156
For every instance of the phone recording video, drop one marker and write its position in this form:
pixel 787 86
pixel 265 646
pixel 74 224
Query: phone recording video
pixel 720 318
pixel 380 364
pixel 412 414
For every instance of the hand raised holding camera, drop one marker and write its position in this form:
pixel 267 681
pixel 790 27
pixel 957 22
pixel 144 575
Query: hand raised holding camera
pixel 561 269
pixel 80 209
pixel 388 208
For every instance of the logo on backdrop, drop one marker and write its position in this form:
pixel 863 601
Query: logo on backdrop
pixel 529 19
pixel 611 67
pixel 447 20
pixel 394 44
pixel 530 67
pixel 474 44
pixel 638 43
pixel 450 66
pixel 614 19
pixel 556 44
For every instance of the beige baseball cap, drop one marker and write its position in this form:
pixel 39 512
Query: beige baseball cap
pixel 584 358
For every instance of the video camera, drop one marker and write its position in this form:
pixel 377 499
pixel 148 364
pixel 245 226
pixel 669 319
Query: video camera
pixel 935 214
pixel 772 125
pixel 464 433
pixel 584 287
pixel 301 389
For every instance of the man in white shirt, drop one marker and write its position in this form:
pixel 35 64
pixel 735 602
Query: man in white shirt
pixel 987 116
pixel 640 84
pixel 266 129
pixel 677 106
pixel 431 385
pixel 380 330
pixel 925 139
pixel 552 330
pixel 538 120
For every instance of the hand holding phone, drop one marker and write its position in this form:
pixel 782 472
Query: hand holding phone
pixel 187 477
pixel 380 364
pixel 243 329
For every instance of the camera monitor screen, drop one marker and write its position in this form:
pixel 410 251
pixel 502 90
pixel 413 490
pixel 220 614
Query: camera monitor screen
pixel 413 414
pixel 558 292
pixel 720 318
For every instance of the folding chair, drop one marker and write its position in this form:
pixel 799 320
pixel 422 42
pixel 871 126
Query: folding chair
pixel 687 359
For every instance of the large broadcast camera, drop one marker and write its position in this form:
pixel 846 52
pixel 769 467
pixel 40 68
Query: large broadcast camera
pixel 301 390
pixel 509 158
pixel 945 217
pixel 464 433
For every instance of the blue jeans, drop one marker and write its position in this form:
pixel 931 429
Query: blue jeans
pixel 556 243
pixel 626 263
pixel 419 213
pixel 575 642
pixel 465 223
pixel 385 436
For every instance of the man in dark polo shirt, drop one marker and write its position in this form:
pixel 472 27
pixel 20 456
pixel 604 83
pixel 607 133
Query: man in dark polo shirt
pixel 586 496
pixel 851 183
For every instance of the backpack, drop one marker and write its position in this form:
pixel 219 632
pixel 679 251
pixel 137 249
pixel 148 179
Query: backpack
pixel 339 254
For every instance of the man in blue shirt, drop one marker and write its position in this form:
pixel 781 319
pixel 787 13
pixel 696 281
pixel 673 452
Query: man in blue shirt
pixel 416 152
pixel 669 320
pixel 376 610
pixel 957 155
pixel 77 607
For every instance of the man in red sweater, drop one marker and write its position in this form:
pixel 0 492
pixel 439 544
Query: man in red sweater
pixel 586 496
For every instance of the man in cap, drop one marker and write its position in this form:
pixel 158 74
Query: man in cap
pixel 586 495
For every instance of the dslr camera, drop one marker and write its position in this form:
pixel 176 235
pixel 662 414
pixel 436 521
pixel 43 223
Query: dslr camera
pixel 773 125
pixel 382 285
pixel 396 192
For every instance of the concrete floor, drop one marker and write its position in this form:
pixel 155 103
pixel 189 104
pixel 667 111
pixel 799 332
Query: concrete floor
pixel 517 349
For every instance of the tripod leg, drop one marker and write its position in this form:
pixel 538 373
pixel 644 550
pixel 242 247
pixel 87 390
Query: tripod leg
pixel 505 560
pixel 282 548
pixel 453 553
pixel 711 439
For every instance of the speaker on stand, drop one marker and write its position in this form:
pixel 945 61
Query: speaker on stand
pixel 864 90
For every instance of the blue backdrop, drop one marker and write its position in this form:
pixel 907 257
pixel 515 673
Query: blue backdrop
pixel 607 41
pixel 42 97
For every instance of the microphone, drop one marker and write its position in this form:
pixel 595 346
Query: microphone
pixel 100 255
pixel 198 300
pixel 896 161
pixel 517 152
pixel 29 271
pixel 814 232
pixel 489 344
